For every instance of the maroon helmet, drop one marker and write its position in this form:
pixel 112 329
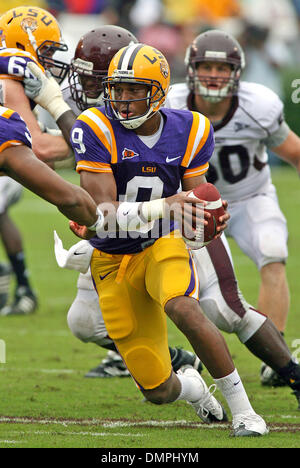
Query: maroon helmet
pixel 214 46
pixel 89 66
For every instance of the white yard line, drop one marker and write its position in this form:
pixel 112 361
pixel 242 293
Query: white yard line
pixel 79 433
pixel 43 371
pixel 118 424
pixel 11 441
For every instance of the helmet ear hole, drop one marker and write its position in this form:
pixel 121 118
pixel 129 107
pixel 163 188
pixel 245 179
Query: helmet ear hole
pixel 20 46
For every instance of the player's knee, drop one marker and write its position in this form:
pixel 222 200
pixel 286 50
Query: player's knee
pixel 273 247
pixel 220 314
pixel 81 323
pixel 148 363
pixel 184 311
pixel 249 324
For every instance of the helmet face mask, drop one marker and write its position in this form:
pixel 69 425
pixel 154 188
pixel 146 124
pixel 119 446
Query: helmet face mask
pixel 57 68
pixel 214 47
pixel 150 98
pixel 136 65
pixel 36 31
pixel 85 83
pixel 215 88
pixel 90 64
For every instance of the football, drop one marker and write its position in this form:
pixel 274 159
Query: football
pixel 204 235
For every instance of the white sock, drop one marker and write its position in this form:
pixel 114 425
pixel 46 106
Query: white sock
pixel 191 389
pixel 235 394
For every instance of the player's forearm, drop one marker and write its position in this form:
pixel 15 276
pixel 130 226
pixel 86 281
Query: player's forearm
pixel 49 148
pixel 80 207
pixel 65 122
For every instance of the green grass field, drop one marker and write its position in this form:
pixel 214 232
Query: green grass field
pixel 47 403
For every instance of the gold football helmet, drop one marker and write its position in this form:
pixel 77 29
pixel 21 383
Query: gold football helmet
pixel 36 31
pixel 140 64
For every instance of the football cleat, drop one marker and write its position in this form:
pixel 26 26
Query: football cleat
pixel 5 275
pixel 181 357
pixel 111 366
pixel 249 424
pixel 207 407
pixel 270 378
pixel 25 303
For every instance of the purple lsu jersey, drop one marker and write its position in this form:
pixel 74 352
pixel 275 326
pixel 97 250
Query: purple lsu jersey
pixel 13 130
pixel 13 62
pixel 142 173
pixel 13 65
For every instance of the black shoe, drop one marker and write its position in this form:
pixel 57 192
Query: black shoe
pixel 111 366
pixel 5 275
pixel 270 378
pixel 25 302
pixel 181 357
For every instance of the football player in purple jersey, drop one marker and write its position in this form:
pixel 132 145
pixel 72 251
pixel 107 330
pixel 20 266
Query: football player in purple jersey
pixel 27 34
pixel 143 270
pixel 18 161
pixel 31 35
pixel 89 66
pixel 220 297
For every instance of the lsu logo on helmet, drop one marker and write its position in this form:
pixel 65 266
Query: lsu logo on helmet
pixel 34 30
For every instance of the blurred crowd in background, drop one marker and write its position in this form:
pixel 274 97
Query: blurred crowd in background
pixel 269 31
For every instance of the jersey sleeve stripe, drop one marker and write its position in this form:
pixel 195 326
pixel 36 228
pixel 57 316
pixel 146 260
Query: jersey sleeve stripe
pixel 191 140
pixel 11 77
pixel 196 171
pixel 12 52
pixel 20 53
pixel 93 167
pixel 200 139
pixel 10 143
pixel 105 120
pixel 90 121
pixel 5 112
pixel 204 136
pixel 103 130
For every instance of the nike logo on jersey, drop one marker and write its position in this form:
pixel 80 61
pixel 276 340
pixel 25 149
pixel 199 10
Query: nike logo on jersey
pixel 79 253
pixel 172 159
pixel 104 276
pixel 240 126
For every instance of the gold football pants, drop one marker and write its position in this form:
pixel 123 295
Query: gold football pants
pixel 133 290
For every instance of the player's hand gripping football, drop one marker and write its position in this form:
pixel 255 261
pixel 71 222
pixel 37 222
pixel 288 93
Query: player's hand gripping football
pixel 188 211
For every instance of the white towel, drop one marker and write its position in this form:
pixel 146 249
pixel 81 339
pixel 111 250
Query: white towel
pixel 78 257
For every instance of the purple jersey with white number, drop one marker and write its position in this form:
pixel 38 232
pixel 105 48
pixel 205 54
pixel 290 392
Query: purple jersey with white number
pixel 142 173
pixel 13 65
